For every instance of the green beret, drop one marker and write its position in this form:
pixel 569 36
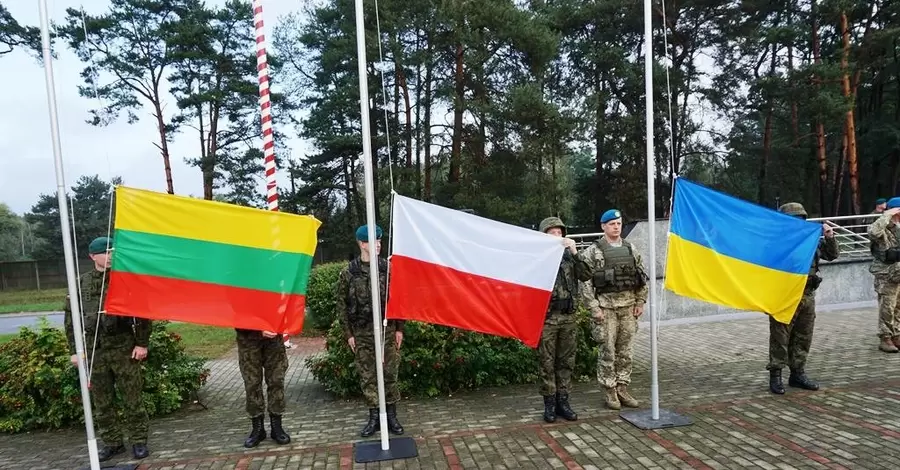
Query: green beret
pixel 100 245
pixel 362 233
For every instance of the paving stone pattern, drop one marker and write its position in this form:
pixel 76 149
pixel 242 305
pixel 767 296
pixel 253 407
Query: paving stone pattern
pixel 713 372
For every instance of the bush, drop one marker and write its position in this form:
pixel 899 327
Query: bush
pixel 39 387
pixel 320 292
pixel 440 360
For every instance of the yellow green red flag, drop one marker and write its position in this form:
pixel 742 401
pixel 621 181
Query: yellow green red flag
pixel 197 261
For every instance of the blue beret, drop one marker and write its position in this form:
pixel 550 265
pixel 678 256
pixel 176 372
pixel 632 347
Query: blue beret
pixel 611 214
pixel 893 202
pixel 880 200
pixel 362 233
pixel 100 245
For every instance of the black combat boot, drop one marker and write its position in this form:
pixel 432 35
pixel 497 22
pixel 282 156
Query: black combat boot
pixel 394 425
pixel 373 424
pixel 799 379
pixel 549 408
pixel 775 384
pixel 562 407
pixel 140 450
pixel 107 452
pixel 278 433
pixel 258 433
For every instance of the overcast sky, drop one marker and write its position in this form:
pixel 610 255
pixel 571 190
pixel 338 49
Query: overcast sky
pixel 121 149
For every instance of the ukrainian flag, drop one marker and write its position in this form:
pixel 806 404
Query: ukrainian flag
pixel 735 253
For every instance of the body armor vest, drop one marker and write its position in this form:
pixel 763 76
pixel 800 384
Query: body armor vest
pixel 620 272
pixel 889 255
pixel 359 297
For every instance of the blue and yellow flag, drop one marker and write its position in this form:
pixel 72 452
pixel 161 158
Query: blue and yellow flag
pixel 735 253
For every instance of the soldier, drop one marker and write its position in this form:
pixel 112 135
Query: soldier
pixel 615 296
pixel 884 236
pixel 262 353
pixel 119 344
pixel 354 310
pixel 880 205
pixel 559 340
pixel 789 344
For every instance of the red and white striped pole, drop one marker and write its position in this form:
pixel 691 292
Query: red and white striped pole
pixel 265 104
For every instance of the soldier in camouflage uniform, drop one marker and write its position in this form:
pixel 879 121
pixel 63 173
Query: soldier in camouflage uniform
pixel 116 345
pixel 354 310
pixel 559 339
pixel 615 296
pixel 789 344
pixel 262 354
pixel 884 236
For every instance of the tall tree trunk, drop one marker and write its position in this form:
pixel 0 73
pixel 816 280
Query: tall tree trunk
pixel 163 146
pixel 820 128
pixel 346 165
pixel 458 108
pixel 429 67
pixel 418 117
pixel 839 178
pixel 795 122
pixel 850 127
pixel 767 135
pixel 401 79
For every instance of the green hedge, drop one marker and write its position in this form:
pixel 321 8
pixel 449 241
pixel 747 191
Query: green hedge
pixel 320 291
pixel 439 360
pixel 39 385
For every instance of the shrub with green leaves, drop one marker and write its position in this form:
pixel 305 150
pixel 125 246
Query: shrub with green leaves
pixel 439 360
pixel 320 292
pixel 39 386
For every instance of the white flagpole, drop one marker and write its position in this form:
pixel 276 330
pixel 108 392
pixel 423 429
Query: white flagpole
pixel 67 236
pixel 370 217
pixel 651 205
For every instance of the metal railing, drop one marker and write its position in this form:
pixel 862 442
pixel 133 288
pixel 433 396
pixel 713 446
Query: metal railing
pixel 849 230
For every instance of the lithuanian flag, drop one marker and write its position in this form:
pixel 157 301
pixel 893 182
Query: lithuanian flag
pixel 197 261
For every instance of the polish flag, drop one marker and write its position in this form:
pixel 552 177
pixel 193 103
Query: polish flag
pixel 460 270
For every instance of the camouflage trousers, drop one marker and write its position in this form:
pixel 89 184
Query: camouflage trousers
pixel 615 336
pixel 262 358
pixel 559 341
pixel 114 369
pixel 888 307
pixel 368 374
pixel 789 344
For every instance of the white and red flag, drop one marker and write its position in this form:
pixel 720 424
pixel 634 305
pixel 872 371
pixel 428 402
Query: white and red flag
pixel 460 270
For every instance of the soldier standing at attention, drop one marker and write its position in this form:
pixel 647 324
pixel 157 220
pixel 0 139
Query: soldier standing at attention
pixel 559 340
pixel 884 239
pixel 262 354
pixel 354 311
pixel 615 296
pixel 119 343
pixel 789 344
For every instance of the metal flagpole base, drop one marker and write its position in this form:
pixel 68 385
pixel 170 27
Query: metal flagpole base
pixel 370 451
pixel 643 419
pixel 120 466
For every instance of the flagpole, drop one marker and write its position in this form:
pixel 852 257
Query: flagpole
pixel 370 217
pixel 639 418
pixel 651 204
pixel 67 236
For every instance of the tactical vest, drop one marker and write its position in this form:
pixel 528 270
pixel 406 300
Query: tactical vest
pixel 92 285
pixel 620 272
pixel 359 294
pixel 565 288
pixel 888 255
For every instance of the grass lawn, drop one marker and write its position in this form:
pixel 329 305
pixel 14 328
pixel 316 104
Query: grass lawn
pixel 5 338
pixel 15 301
pixel 209 342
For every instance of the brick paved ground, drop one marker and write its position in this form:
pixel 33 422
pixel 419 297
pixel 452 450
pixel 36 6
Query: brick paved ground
pixel 713 372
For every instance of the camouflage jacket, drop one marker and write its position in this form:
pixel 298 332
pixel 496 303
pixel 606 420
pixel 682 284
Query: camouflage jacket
pixel 112 331
pixel 593 256
pixel 572 268
pixel 828 250
pixel 883 234
pixel 354 297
